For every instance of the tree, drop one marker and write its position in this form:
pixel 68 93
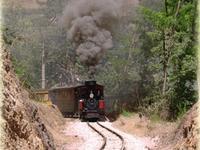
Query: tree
pixel 175 51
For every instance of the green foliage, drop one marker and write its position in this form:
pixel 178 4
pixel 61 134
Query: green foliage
pixel 159 19
pixel 21 72
pixel 181 109
pixel 20 69
pixel 121 73
pixel 126 113
pixel 37 33
pixel 155 118
pixel 174 27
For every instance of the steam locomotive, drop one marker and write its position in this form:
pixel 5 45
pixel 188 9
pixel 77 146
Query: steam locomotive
pixel 85 101
pixel 91 100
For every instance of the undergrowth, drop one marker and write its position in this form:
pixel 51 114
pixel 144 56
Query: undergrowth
pixel 126 113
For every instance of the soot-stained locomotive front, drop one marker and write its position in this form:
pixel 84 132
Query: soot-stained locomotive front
pixel 91 100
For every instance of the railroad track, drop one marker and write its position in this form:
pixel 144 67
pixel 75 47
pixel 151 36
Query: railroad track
pixel 111 139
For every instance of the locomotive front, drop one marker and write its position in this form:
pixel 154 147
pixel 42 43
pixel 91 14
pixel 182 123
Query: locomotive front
pixel 91 101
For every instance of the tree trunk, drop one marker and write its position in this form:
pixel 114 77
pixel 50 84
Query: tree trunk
pixel 164 79
pixel 43 66
pixel 164 65
pixel 166 8
pixel 131 47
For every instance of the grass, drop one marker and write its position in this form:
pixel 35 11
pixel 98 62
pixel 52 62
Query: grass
pixel 47 102
pixel 155 118
pixel 126 113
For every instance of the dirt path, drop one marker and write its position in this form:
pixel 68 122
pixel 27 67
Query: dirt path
pixel 84 138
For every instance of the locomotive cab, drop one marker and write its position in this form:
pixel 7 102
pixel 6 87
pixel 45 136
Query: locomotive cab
pixel 91 100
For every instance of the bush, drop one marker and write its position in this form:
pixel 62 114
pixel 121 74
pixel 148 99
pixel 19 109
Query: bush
pixel 126 113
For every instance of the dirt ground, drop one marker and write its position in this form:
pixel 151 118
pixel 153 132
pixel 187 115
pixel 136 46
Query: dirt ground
pixel 144 128
pixel 84 138
pixel 179 135
pixel 144 133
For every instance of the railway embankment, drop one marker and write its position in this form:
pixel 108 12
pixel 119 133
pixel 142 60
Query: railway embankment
pixel 178 135
pixel 28 125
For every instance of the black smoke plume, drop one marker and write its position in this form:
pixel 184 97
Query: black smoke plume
pixel 88 24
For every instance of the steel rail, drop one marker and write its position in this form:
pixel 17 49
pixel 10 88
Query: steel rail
pixel 104 138
pixel 122 139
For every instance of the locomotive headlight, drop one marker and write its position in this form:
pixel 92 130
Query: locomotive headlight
pixel 91 95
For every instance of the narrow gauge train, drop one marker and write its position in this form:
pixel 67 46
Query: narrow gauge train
pixel 91 100
pixel 85 101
